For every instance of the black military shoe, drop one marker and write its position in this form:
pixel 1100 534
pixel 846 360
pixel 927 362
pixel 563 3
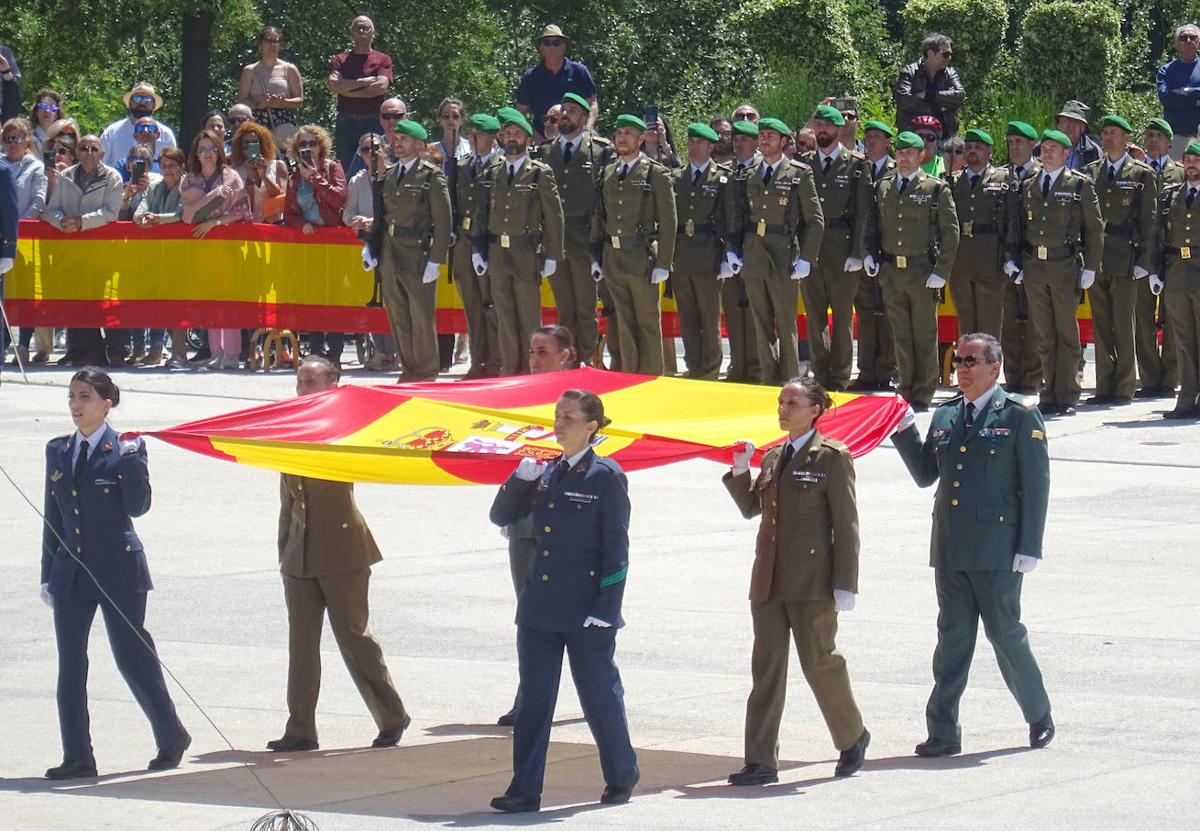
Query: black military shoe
pixel 292 745
pixel 754 775
pixel 73 769
pixel 619 794
pixel 508 719
pixel 517 804
pixel 1041 733
pixel 170 757
pixel 932 748
pixel 852 757
pixel 391 736
pixel 1183 412
pixel 1100 400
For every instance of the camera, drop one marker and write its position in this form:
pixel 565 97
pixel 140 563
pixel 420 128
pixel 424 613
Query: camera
pixel 253 149
pixel 650 116
pixel 138 170
pixel 306 156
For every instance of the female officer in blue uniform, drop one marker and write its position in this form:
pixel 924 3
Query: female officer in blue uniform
pixel 95 485
pixel 580 508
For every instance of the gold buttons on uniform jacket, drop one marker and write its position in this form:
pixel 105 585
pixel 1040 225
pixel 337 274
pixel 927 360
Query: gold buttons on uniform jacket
pixel 546 553
pixel 962 449
pixel 958 466
pixel 812 551
pixel 106 490
pixel 954 503
pixel 545 578
pixel 546 529
pixel 74 492
pixel 129 548
pixel 345 524
pixel 1002 518
pixel 592 573
pixel 76 512
pixel 551 505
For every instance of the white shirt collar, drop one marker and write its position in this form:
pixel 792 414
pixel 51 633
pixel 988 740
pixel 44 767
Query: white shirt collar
pixel 980 404
pixel 483 160
pixel 1163 161
pixel 516 164
pixel 1052 175
pixel 835 155
pixel 765 164
pixel 1118 163
pixel 574 143
pixel 801 440
pixel 692 167
pixel 403 167
pixel 574 460
pixel 93 441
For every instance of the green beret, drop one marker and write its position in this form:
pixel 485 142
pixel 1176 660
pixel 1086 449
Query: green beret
pixel 979 136
pixel 746 128
pixel 1055 135
pixel 880 126
pixel 699 130
pixel 1115 121
pixel 503 112
pixel 484 123
pixel 909 141
pixel 411 128
pixel 518 118
pixel 831 114
pixel 1193 149
pixel 572 98
pixel 776 125
pixel 1020 128
pixel 627 120
pixel 1162 126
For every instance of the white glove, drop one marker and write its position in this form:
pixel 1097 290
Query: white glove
pixel 800 269
pixel 597 271
pixel 843 601
pixel 595 621
pixel 872 267
pixel 549 267
pixel 935 282
pixel 1023 564
pixel 725 271
pixel 735 262
pixel 47 598
pixel 1011 269
pixel 431 272
pixel 1086 278
pixel 479 264
pixel 852 264
pixel 1139 272
pixel 743 452
pixel 129 447
pixel 1156 284
pixel 907 420
pixel 658 275
pixel 530 469
pixel 369 262
pixel 6 265
pixel 504 531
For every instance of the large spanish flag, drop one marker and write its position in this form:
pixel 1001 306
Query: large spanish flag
pixel 475 432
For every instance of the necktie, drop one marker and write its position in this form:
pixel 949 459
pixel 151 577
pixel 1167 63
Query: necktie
pixel 567 153
pixel 621 173
pixel 1046 186
pixel 81 462
pixel 1155 165
pixel 876 172
pixel 1020 171
pixel 903 185
pixel 788 452
pixel 696 176
pixel 767 174
pixel 1112 171
pixel 825 165
pixel 1191 197
pixel 974 180
pixel 969 409
pixel 512 169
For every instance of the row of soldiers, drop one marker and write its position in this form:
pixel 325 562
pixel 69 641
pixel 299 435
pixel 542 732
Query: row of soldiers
pixel 849 232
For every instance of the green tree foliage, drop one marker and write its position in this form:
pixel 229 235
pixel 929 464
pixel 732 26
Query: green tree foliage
pixel 977 28
pixel 811 34
pixel 1072 49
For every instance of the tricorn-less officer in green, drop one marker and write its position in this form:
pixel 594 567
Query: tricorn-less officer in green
pixel 1127 191
pixel 735 304
pixel 1158 367
pixel 912 239
pixel 844 186
pixel 1179 233
pixel 876 349
pixel 777 224
pixel 411 239
pixel 987 453
pixel 1057 222
pixel 1022 363
pixel 633 244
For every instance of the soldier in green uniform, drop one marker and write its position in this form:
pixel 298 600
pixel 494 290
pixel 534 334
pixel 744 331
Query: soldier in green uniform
pixel 411 239
pixel 743 356
pixel 987 453
pixel 876 349
pixel 1057 220
pixel 577 157
pixel 1022 363
pixel 1179 232
pixel 633 244
pixel 524 241
pixel 912 237
pixel 701 205
pixel 777 223
pixel 843 180
pixel 474 288
pixel 983 199
pixel 1127 191
pixel 1158 368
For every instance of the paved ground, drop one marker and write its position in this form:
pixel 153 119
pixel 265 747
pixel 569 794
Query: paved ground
pixel 1113 614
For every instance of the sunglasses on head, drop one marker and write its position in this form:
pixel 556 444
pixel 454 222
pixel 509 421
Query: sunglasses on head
pixel 393 116
pixel 743 116
pixel 967 361
pixel 553 41
pixel 47 106
pixel 145 128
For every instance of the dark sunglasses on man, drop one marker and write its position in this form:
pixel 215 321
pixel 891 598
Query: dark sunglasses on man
pixel 968 361
pixel 1189 37
pixel 743 116
pixel 393 116
pixel 141 99
pixel 553 42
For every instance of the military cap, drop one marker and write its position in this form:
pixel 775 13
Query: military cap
pixel 699 130
pixel 552 31
pixel 1162 126
pixel 776 125
pixel 412 128
pixel 831 114
pixel 1116 121
pixel 909 141
pixel 1076 110
pixel 1020 128
pixel 1193 149
pixel 980 136
pixel 518 118
pixel 484 123
pixel 627 120
pixel 575 98
pixel 1055 135
pixel 746 128
pixel 504 112
pixel 880 126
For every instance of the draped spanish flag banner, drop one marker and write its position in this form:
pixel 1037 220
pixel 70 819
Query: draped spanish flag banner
pixel 475 432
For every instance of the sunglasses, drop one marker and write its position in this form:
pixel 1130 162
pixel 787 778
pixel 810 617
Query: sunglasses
pixel 88 148
pixel 928 139
pixel 743 116
pixel 145 128
pixel 308 144
pixel 50 108
pixel 1189 37
pixel 393 116
pixel 206 151
pixel 14 139
pixel 64 151
pixel 553 41
pixel 275 41
pixel 141 99
pixel 968 361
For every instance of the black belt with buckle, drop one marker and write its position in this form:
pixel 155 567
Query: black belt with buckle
pixel 1125 231
pixel 1050 252
pixel 904 260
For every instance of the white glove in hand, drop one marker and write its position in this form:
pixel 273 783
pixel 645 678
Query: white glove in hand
pixel 1011 269
pixel 479 264
pixel 1023 564
pixel 1139 272
pixel 743 452
pixel 1156 284
pixel 47 598
pixel 1086 278
pixel 597 271
pixel 431 273
pixel 530 470
pixel 935 282
pixel 871 267
pixel 658 275
pixel 6 265
pixel 843 601
pixel 504 531
pixel 735 262
pixel 801 269
pixel 549 267
pixel 852 264
pixel 369 262
pixel 725 271
pixel 595 621
pixel 907 420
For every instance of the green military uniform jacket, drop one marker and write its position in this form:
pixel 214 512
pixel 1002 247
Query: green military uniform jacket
pixel 470 187
pixel 1060 225
pixel 846 201
pixel 637 212
pixel 1171 174
pixel 889 165
pixel 1032 168
pixel 525 211
pixel 578 179
pixel 786 208
pixel 916 231
pixel 321 531
pixel 993 482
pixel 1128 205
pixel 984 212
pixel 808 539
pixel 415 210
pixel 1178 232
pixel 702 212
